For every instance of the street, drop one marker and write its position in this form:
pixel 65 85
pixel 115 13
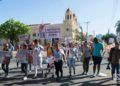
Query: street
pixel 16 77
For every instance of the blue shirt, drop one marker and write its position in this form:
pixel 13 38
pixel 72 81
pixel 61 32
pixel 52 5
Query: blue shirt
pixel 57 54
pixel 97 49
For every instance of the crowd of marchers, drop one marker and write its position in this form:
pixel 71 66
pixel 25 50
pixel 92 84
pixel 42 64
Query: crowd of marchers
pixel 30 55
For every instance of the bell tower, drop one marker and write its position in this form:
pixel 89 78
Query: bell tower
pixel 70 24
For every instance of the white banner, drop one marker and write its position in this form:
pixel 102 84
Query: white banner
pixel 42 34
pixel 23 37
pixel 111 40
pixel 52 33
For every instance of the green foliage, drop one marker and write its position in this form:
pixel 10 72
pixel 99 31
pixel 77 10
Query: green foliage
pixel 118 26
pixel 107 36
pixel 11 29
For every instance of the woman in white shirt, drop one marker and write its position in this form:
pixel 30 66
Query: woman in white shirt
pixel 71 58
pixel 58 59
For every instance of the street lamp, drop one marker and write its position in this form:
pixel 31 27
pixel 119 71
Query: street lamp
pixel 87 23
pixel 81 33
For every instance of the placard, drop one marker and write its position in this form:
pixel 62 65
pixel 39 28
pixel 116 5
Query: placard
pixel 52 33
pixel 23 37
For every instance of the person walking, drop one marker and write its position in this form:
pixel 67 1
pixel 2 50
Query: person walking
pixel 22 56
pixel 86 57
pixel 37 56
pixel 114 59
pixel 30 57
pixel 71 58
pixel 7 55
pixel 97 56
pixel 58 59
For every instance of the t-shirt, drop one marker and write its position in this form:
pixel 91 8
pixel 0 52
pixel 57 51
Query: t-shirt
pixel 97 49
pixel 49 52
pixel 86 52
pixel 58 55
pixel 37 51
pixel 115 56
pixel 71 53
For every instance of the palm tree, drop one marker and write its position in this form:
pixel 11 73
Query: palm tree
pixel 118 27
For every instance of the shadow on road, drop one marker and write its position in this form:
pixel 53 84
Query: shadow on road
pixel 65 81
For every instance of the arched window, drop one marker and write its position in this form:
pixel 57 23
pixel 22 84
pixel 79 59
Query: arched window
pixel 68 17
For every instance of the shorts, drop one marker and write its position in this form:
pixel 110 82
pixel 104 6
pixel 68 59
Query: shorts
pixel 97 60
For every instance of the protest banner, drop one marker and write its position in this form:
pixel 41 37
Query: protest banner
pixel 23 37
pixel 52 33
pixel 22 55
pixel 111 40
pixel 7 54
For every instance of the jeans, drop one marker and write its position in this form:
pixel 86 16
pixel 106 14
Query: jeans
pixel 86 64
pixel 24 67
pixel 58 67
pixel 5 68
pixel 71 64
pixel 115 67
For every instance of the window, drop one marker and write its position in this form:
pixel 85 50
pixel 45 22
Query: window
pixel 68 17
pixel 38 34
pixel 67 29
pixel 34 34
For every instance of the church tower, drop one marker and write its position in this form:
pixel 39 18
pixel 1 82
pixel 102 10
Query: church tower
pixel 70 25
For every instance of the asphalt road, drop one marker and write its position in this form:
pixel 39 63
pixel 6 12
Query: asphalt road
pixel 16 77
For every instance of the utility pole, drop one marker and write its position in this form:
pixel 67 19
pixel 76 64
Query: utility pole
pixel 87 23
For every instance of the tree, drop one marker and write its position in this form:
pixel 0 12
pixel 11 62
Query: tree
pixel 77 35
pixel 107 36
pixel 11 29
pixel 118 27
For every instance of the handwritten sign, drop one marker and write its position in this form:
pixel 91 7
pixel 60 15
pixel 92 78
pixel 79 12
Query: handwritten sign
pixel 23 37
pixel 52 33
pixel 22 56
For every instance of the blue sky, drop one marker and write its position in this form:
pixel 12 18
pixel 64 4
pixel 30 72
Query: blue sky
pixel 100 13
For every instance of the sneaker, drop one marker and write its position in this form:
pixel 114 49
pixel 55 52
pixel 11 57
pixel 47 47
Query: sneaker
pixel 83 73
pixel 25 78
pixel 98 74
pixel 29 71
pixel 6 76
pixel 94 75
pixel 114 79
pixel 86 74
